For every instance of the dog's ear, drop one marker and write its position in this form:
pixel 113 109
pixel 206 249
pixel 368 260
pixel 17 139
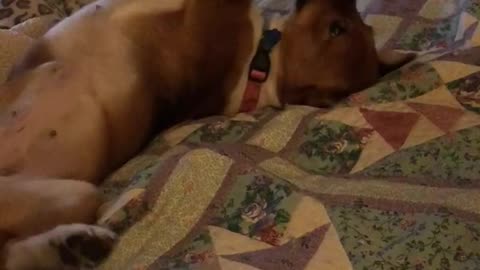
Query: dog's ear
pixel 391 60
pixel 349 3
pixel 300 4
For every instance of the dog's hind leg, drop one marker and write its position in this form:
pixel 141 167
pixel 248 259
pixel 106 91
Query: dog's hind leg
pixel 30 210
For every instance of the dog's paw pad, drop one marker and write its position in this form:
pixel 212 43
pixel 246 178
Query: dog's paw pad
pixel 84 246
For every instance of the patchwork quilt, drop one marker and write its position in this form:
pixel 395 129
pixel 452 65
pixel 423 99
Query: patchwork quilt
pixel 388 179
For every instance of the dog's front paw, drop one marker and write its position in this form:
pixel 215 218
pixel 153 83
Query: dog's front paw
pixel 76 246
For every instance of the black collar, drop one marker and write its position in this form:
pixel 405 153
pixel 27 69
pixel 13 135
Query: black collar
pixel 261 61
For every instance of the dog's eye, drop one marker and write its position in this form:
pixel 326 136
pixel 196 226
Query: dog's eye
pixel 336 29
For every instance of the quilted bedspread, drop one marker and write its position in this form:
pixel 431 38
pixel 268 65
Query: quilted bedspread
pixel 389 179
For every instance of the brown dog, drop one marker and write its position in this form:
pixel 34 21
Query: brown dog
pixel 91 93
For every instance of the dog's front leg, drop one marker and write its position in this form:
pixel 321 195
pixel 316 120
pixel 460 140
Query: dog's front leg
pixel 74 246
pixel 31 210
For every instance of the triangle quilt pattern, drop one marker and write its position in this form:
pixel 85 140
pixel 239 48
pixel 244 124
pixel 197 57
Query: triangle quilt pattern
pixel 394 127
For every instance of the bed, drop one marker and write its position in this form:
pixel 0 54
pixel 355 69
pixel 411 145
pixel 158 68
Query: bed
pixel 388 179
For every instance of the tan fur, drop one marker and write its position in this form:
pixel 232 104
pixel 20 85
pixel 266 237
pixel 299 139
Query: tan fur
pixel 91 93
pixel 67 201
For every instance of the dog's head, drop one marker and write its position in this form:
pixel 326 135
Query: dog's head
pixel 328 52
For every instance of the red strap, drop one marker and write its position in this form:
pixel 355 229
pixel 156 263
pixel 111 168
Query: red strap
pixel 250 97
pixel 252 91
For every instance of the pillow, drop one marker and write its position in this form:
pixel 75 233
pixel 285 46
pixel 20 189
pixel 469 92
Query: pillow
pixel 15 41
pixel 13 46
pixel 13 12
pixel 74 5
